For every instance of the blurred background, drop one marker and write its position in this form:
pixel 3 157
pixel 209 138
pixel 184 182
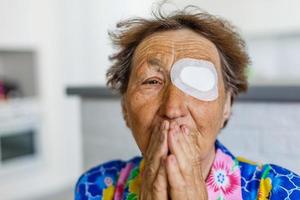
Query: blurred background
pixel 58 120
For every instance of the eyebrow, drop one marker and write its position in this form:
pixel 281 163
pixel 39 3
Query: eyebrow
pixel 156 64
pixel 153 64
pixel 154 61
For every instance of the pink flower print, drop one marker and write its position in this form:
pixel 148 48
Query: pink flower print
pixel 221 179
pixel 125 172
pixel 224 180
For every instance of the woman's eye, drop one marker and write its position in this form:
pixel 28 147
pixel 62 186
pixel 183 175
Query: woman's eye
pixel 151 82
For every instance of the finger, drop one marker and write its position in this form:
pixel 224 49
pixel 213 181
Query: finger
pixel 196 164
pixel 176 181
pixel 151 163
pixel 160 184
pixel 154 143
pixel 153 138
pixel 185 141
pixel 189 165
pixel 188 143
pixel 193 146
pixel 176 141
pixel 175 137
pixel 195 185
pixel 152 160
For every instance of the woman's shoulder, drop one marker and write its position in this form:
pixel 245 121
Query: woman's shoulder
pixel 102 179
pixel 269 181
pixel 281 183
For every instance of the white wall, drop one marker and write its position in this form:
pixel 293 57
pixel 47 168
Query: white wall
pixel 253 18
pixel 256 16
pixel 15 23
pixel 88 45
pixel 36 25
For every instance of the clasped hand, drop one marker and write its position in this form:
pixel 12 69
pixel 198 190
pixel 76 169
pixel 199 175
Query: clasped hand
pixel 172 168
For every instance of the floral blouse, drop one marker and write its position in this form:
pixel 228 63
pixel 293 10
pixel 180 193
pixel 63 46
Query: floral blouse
pixel 230 178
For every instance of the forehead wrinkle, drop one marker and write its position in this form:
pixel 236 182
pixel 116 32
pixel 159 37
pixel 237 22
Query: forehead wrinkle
pixel 175 48
pixel 157 41
pixel 156 48
pixel 195 45
pixel 197 55
pixel 153 48
pixel 155 61
pixel 145 48
pixel 157 38
pixel 144 57
pixel 199 52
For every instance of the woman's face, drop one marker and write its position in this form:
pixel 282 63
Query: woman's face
pixel 151 97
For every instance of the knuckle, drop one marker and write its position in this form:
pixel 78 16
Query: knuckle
pixel 160 152
pixel 189 176
pixel 196 162
pixel 151 170
pixel 149 173
pixel 160 173
pixel 187 170
pixel 148 159
pixel 158 186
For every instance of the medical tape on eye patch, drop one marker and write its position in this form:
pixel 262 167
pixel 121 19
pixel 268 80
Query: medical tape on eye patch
pixel 197 78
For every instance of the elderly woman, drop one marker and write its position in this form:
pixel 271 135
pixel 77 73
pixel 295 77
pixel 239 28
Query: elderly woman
pixel 178 76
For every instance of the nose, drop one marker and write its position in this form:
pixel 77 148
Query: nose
pixel 174 104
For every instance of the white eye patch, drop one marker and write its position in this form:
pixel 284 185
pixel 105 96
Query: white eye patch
pixel 197 78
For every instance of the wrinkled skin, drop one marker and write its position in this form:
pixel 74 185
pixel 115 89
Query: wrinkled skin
pixel 174 131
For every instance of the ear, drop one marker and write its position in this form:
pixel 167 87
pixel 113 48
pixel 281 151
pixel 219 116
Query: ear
pixel 125 110
pixel 227 108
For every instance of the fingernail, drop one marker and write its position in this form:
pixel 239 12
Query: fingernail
pixel 162 125
pixel 186 130
pixel 175 133
pixel 177 130
pixel 165 125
